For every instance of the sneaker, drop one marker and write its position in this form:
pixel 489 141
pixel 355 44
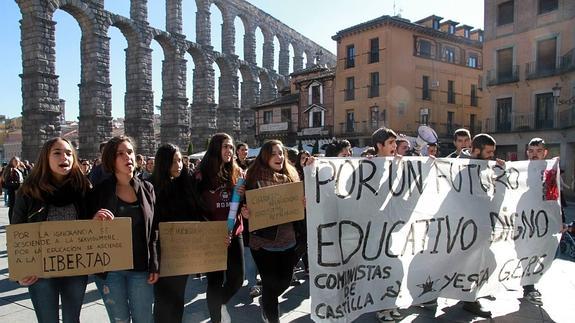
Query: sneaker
pixel 255 291
pixel 534 297
pixel 477 309
pixel 385 316
pixel 225 315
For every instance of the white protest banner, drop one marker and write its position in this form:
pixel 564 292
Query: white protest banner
pixel 68 248
pixel 389 232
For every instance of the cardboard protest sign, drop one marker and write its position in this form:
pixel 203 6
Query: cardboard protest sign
pixel 68 248
pixel 386 233
pixel 192 247
pixel 275 205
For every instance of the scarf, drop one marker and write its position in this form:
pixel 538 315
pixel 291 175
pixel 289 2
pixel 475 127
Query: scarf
pixel 62 196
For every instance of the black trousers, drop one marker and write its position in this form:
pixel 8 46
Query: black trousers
pixel 169 299
pixel 276 270
pixel 222 285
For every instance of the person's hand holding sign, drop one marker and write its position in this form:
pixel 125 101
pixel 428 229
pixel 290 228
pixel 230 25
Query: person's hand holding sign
pixel 27 281
pixel 245 212
pixel 103 215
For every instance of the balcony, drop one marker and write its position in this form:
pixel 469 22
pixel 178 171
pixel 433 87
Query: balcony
pixel 425 54
pixel 494 77
pixel 530 122
pixel 534 70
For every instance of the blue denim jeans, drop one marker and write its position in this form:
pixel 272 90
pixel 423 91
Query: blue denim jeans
pixel 45 295
pixel 127 296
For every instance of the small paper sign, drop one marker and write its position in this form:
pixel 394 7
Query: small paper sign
pixel 275 205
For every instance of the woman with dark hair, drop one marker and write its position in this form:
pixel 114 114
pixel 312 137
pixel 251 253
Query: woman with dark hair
pixel 273 248
pixel 55 190
pixel 175 201
pixel 215 179
pixel 128 294
pixel 12 178
pixel 302 158
pixel 242 150
pixel 338 148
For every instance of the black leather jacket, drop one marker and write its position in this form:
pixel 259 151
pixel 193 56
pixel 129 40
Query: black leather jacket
pixel 28 210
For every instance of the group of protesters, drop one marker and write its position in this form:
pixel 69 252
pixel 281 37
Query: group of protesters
pixel 57 189
pixel 169 191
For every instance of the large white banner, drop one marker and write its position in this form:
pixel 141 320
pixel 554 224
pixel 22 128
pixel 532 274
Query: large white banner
pixel 387 232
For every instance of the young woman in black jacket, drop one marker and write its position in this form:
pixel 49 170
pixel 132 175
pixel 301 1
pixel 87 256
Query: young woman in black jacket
pixel 128 294
pixel 55 190
pixel 175 202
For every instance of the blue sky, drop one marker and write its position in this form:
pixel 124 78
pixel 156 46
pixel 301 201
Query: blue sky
pixel 317 20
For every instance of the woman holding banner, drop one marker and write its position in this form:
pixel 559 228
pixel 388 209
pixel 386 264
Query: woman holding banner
pixel 128 294
pixel 175 201
pixel 273 248
pixel 55 190
pixel 216 180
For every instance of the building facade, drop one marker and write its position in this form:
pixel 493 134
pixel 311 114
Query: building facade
pixel 304 113
pixel 400 74
pixel 529 55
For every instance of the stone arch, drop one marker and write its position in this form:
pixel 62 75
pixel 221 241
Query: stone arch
pixel 79 10
pixel 249 38
pixel 248 74
pixel 220 8
pixel 127 27
pixel 164 40
pixel 197 53
pixel 225 65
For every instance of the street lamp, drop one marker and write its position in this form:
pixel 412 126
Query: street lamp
pixel 556 91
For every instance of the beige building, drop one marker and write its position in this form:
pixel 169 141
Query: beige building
pixel 529 68
pixel 304 113
pixel 400 74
